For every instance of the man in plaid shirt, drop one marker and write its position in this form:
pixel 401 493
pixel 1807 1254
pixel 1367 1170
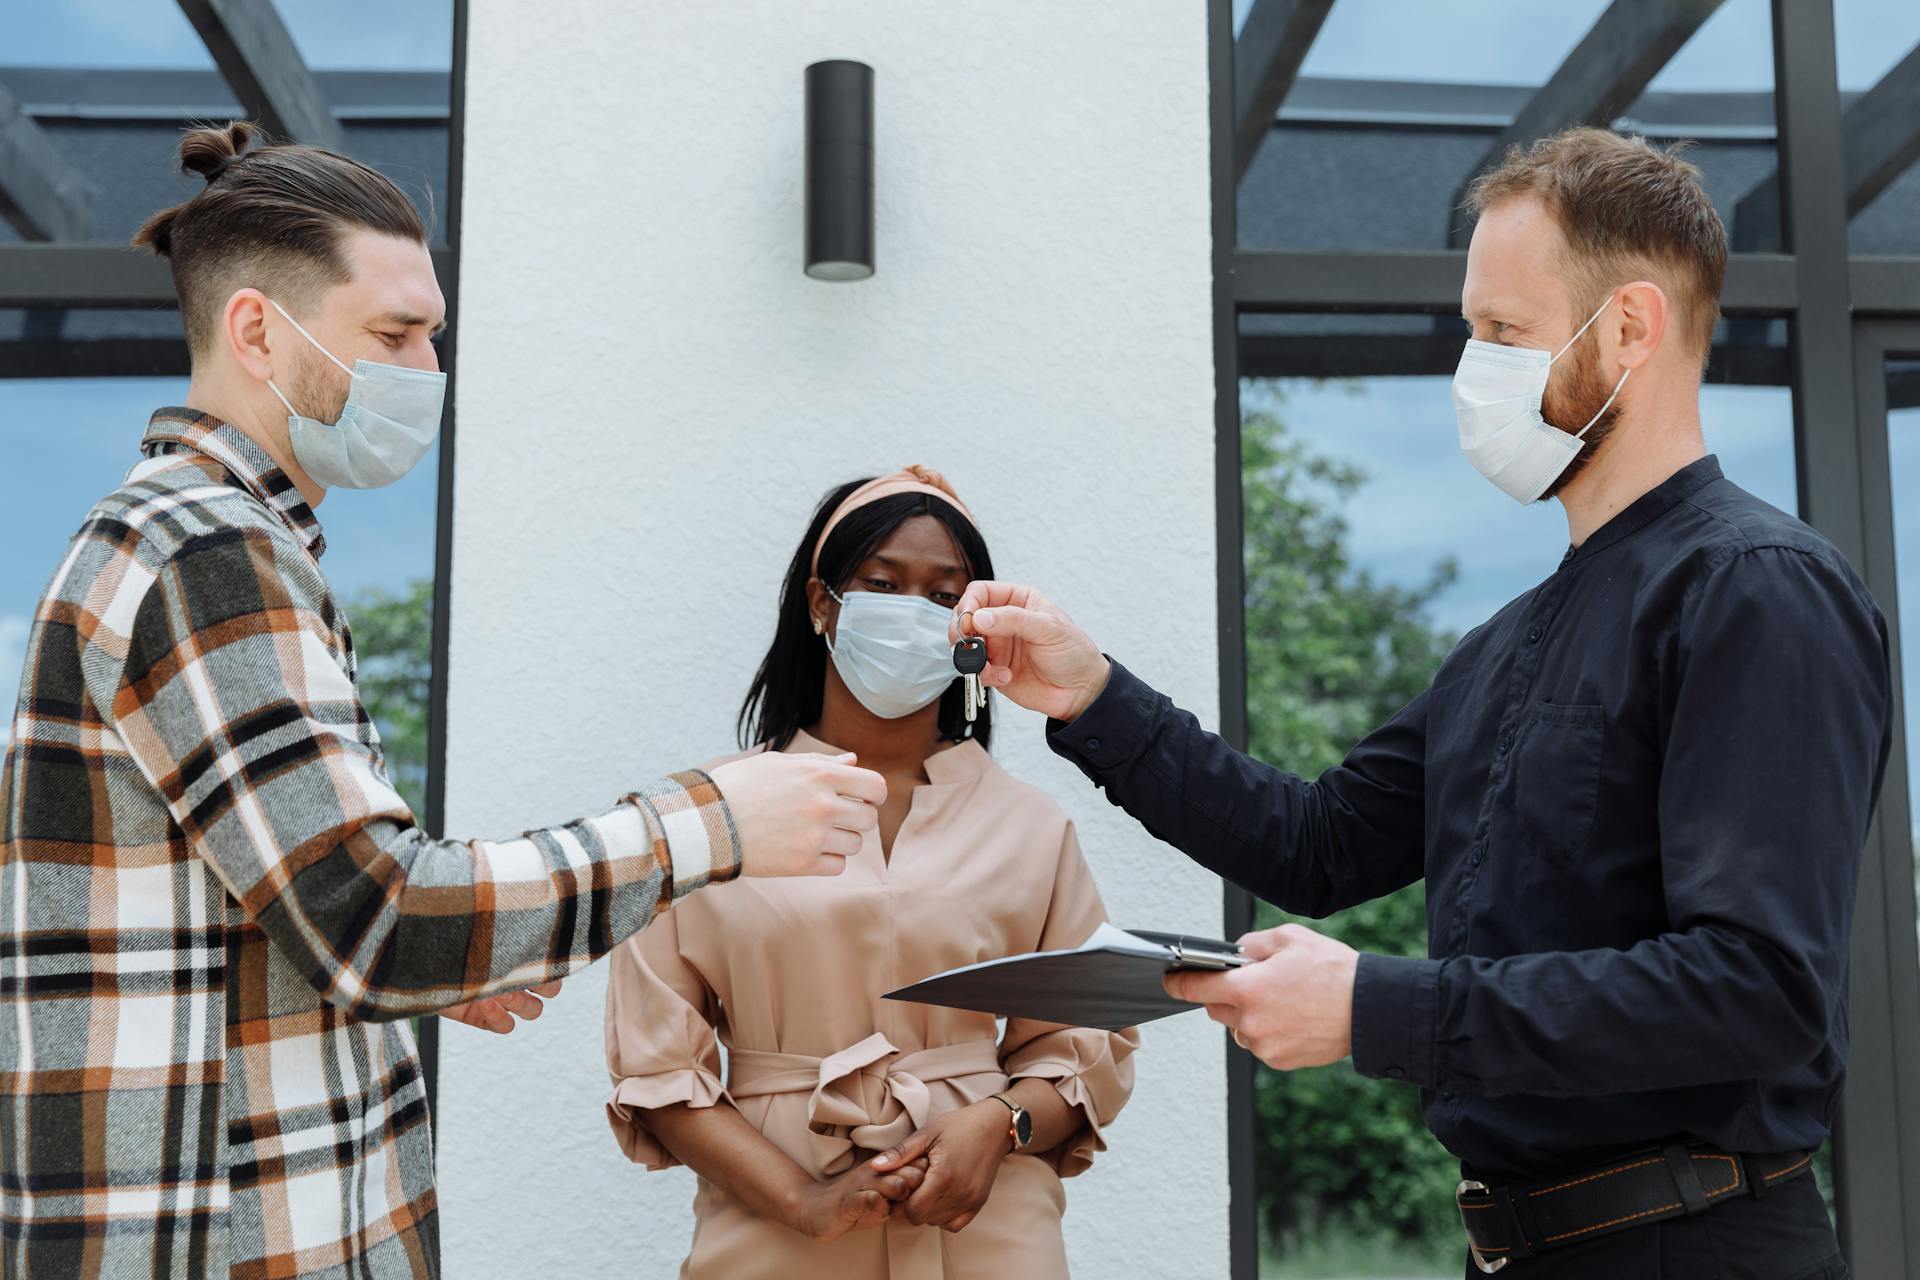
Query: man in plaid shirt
pixel 217 911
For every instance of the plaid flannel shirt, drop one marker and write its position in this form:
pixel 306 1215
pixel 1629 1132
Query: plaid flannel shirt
pixel 216 912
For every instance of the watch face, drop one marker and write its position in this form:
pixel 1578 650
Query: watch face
pixel 1023 1127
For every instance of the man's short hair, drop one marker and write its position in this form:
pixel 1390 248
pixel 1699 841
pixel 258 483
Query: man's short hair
pixel 1628 209
pixel 271 218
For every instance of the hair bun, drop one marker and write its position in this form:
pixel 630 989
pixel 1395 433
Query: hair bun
pixel 210 151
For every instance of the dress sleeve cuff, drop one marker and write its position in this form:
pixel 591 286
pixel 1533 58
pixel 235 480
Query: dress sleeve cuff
pixel 1393 1011
pixel 694 837
pixel 1113 729
pixel 634 1096
pixel 1093 1073
pixel 1075 1155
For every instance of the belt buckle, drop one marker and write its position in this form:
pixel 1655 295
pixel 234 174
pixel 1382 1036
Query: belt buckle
pixel 1487 1265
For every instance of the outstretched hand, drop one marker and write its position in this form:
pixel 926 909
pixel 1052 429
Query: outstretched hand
pixel 1035 654
pixel 798 813
pixel 497 1013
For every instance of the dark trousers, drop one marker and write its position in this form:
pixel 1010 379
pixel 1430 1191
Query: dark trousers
pixel 1784 1235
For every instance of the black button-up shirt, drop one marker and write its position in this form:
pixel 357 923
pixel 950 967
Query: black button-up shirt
pixel 1638 795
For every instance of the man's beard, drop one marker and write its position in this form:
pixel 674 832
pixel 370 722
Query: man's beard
pixel 317 389
pixel 1574 402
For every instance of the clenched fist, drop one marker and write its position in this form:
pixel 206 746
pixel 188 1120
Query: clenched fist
pixel 799 814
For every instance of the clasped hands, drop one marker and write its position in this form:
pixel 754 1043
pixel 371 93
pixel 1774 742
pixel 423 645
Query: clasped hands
pixel 941 1176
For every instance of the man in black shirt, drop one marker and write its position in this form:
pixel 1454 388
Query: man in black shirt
pixel 1638 793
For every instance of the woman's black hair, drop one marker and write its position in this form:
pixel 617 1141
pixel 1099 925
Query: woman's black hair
pixel 786 691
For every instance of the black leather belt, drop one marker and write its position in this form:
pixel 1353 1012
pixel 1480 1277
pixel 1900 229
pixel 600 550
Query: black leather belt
pixel 1508 1224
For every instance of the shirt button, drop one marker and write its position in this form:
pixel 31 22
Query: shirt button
pixel 1396 1073
pixel 1093 744
pixel 1506 745
pixel 1534 633
pixel 1477 852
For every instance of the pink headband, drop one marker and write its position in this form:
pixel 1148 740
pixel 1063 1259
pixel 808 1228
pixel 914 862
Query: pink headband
pixel 914 479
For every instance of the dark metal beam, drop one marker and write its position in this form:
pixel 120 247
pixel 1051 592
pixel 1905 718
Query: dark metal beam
pixel 446 265
pixel 256 54
pixel 1225 123
pixel 1885 286
pixel 1881 132
pixel 41 194
pixel 1880 136
pixel 1610 67
pixel 1903 392
pixel 98 358
pixel 1266 59
pixel 36 275
pixel 1429 280
pixel 1400 355
pixel 1840 435
pixel 1409 280
pixel 1877 1154
pixel 50 275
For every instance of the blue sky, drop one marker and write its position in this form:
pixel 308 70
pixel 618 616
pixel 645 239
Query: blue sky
pixel 386 34
pixel 1504 42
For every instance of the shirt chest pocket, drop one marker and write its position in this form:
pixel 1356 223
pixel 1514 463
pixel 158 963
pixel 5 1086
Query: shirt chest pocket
pixel 1555 786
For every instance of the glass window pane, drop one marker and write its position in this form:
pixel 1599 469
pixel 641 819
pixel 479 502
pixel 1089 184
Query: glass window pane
pixel 129 167
pixel 113 85
pixel 112 35
pixel 1732 52
pixel 71 440
pixel 1371 546
pixel 149 34
pixel 379 562
pixel 1877 52
pixel 1903 450
pixel 334 34
pixel 54 477
pixel 1400 101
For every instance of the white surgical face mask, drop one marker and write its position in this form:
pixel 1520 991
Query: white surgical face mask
pixel 1496 398
pixel 892 651
pixel 389 421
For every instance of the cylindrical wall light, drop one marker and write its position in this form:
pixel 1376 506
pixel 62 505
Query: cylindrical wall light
pixel 839 170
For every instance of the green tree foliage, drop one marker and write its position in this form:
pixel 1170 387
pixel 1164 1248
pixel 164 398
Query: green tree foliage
pixel 1331 654
pixel 393 641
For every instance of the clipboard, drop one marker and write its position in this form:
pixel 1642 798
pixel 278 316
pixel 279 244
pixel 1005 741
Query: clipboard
pixel 1111 981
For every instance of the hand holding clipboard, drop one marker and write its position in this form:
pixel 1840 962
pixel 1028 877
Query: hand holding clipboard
pixel 1111 981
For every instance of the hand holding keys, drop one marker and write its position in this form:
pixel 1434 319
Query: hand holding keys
pixel 1036 656
pixel 970 659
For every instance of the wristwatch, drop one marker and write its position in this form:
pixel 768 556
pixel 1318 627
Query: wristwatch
pixel 1021 1127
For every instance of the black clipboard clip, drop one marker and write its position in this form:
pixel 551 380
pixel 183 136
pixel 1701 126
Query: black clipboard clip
pixel 1198 953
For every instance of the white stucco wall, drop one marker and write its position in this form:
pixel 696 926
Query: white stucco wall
pixel 652 396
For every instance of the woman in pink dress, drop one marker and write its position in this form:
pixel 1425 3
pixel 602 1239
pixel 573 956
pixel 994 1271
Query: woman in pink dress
pixel 821 1074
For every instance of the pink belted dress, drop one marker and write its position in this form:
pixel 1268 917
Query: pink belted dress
pixel 788 975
